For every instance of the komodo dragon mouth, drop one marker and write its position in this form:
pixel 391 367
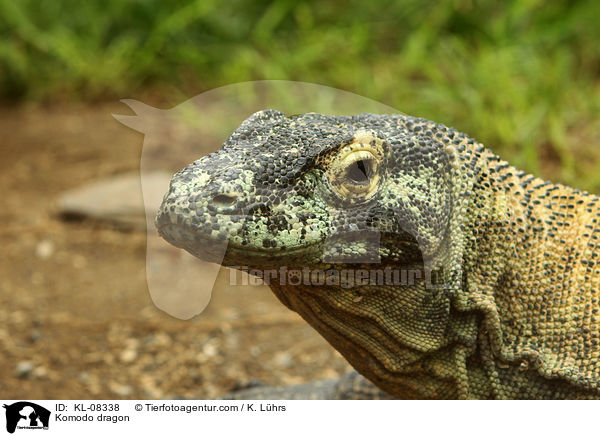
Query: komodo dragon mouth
pixel 203 244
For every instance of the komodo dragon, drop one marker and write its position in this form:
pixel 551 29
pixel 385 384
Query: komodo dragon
pixel 505 267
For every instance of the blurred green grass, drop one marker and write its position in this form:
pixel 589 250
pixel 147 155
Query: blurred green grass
pixel 521 76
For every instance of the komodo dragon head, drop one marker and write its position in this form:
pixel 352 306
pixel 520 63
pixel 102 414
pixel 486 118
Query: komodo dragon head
pixel 313 189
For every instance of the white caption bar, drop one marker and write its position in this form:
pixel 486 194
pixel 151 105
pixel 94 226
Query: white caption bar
pixel 307 418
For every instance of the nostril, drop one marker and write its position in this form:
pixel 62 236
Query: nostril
pixel 224 199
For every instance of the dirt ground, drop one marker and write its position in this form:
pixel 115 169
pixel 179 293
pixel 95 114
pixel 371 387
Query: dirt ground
pixel 76 318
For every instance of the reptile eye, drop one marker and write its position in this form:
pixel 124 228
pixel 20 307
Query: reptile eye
pixel 355 174
pixel 360 172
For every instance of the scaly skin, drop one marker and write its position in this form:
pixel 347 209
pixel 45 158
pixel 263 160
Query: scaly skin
pixel 512 308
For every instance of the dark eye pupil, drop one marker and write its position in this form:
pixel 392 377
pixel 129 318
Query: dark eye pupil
pixel 359 172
